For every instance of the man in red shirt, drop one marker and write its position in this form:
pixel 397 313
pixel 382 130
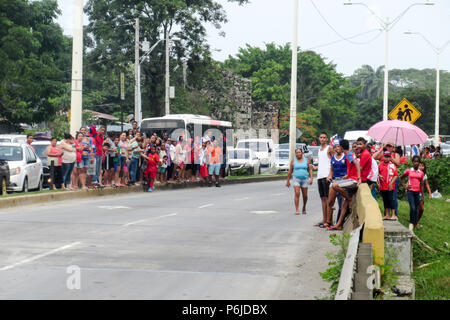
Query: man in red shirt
pixel 365 159
pixel 387 175
pixel 98 140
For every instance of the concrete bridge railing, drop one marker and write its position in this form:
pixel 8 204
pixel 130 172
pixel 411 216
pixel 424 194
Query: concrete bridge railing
pixel 369 238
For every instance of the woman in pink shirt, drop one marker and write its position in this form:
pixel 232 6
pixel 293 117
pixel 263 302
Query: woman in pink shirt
pixel 414 187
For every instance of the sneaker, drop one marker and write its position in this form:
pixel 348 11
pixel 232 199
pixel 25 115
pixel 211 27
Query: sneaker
pixel 411 227
pixel 218 185
pixel 150 190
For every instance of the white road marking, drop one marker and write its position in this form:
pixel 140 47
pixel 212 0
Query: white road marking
pixel 113 207
pixel 140 221
pixel 39 256
pixel 167 215
pixel 135 222
pixel 263 212
pixel 246 198
pixel 206 205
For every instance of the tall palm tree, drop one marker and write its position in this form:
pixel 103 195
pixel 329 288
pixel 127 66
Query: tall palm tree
pixel 371 82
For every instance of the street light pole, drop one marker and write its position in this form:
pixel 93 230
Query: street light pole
pixel 386 73
pixel 387 25
pixel 293 107
pixel 438 51
pixel 436 118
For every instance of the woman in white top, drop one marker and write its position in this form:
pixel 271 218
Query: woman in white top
pixel 68 160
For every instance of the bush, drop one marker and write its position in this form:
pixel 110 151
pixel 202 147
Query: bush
pixel 438 173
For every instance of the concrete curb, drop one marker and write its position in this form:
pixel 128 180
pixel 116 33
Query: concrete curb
pixel 65 195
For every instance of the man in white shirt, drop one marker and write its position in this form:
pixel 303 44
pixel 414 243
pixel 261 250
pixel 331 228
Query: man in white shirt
pixel 323 169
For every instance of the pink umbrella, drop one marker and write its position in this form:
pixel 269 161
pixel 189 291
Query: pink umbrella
pixel 401 133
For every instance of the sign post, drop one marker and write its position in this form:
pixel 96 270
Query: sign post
pixel 405 111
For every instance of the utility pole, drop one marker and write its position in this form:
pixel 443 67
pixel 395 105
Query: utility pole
pixel 293 109
pixel 77 70
pixel 167 101
pixel 121 97
pixel 136 72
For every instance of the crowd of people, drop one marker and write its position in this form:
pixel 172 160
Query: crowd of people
pixel 96 159
pixel 342 168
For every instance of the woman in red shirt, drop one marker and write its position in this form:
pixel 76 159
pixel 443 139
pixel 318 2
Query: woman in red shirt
pixel 414 187
pixel 152 166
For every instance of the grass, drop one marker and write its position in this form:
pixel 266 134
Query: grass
pixel 432 281
pixel 16 194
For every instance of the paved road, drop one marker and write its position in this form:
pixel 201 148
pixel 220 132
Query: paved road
pixel 235 242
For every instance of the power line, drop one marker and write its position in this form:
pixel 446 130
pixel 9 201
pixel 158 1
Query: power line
pixel 335 31
pixel 354 36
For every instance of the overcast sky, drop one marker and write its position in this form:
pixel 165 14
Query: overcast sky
pixel 265 21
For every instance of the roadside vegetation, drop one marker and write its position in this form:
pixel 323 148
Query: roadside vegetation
pixel 431 266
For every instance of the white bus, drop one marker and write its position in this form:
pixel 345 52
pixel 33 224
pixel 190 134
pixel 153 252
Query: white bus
pixel 188 126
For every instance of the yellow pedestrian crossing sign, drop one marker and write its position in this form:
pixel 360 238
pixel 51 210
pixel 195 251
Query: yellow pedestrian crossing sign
pixel 405 111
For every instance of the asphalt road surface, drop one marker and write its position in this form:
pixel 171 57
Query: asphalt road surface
pixel 236 242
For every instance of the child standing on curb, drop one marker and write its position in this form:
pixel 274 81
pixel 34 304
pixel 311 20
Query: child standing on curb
pixel 387 175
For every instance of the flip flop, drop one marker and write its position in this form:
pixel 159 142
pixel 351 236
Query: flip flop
pixel 304 212
pixel 297 213
pixel 319 224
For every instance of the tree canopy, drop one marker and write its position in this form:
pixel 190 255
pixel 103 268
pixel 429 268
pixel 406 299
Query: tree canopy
pixel 34 54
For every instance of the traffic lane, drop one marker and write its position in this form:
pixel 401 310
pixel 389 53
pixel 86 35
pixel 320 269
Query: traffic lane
pixel 121 209
pixel 75 223
pixel 34 229
pixel 197 250
pixel 32 236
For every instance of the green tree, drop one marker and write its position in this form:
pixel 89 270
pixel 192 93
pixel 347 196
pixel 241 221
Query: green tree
pixel 33 53
pixel 370 81
pixel 324 99
pixel 111 32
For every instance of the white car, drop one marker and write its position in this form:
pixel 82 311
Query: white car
pixel 264 150
pixel 243 159
pixel 282 160
pixel 24 165
pixel 13 138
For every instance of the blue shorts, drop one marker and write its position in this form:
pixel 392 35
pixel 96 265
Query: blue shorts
pixel 302 183
pixel 84 163
pixel 214 168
